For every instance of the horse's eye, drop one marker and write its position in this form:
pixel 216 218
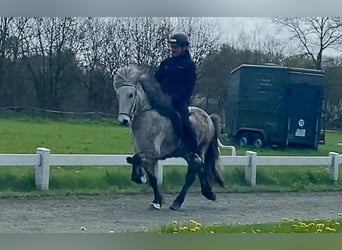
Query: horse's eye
pixel 130 95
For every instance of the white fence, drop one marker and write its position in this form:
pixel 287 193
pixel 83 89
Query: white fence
pixel 43 159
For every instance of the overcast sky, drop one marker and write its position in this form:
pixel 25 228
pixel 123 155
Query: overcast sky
pixel 233 26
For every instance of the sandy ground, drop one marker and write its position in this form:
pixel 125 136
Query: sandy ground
pixel 129 213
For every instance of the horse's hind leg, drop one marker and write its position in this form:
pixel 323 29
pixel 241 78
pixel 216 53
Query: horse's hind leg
pixel 206 188
pixel 189 180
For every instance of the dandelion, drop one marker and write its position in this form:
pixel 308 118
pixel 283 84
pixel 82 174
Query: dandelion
pixel 212 232
pixel 337 223
pixel 302 224
pixel 83 228
pixel 192 221
pixel 174 222
pixel 330 229
pixel 111 231
pixel 319 230
pixel 320 225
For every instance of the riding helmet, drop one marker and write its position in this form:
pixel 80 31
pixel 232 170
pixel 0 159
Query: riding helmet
pixel 179 39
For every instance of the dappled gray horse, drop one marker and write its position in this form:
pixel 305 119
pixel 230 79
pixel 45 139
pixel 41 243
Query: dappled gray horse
pixel 155 137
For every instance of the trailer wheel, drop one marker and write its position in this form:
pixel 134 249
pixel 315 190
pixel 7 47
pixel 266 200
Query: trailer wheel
pixel 243 139
pixel 258 140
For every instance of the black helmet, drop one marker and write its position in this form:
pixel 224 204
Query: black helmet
pixel 179 39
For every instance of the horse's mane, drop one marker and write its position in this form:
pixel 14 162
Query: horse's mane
pixel 144 77
pixel 126 76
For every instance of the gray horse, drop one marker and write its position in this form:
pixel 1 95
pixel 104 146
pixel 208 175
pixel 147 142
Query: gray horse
pixel 155 137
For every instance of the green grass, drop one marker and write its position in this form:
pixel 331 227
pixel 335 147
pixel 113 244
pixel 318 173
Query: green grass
pixel 68 136
pixel 24 135
pixel 286 226
pixel 332 138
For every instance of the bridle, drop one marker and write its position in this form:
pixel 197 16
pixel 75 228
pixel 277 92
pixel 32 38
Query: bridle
pixel 133 107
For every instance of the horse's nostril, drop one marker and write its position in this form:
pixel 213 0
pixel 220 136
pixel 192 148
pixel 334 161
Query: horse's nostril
pixel 125 122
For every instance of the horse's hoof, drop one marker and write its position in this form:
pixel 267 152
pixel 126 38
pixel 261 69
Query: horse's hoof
pixel 210 196
pixel 155 206
pixel 175 206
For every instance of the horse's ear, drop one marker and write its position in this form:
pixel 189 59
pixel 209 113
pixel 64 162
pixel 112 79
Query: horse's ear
pixel 129 160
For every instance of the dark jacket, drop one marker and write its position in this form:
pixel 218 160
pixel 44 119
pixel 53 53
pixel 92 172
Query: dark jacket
pixel 177 77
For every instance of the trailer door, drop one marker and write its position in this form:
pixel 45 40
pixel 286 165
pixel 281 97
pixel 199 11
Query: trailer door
pixel 304 105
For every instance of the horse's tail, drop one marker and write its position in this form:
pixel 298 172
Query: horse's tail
pixel 212 155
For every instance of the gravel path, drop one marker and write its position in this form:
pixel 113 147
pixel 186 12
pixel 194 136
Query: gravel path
pixel 131 213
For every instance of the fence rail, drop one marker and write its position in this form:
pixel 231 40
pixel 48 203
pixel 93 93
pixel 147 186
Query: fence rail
pixel 43 159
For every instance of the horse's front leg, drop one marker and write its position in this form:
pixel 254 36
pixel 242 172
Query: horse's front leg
pixel 158 199
pixel 189 180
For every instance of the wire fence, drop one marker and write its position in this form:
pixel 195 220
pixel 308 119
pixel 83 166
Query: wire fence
pixel 49 113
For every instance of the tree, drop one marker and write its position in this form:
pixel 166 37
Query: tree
pixel 203 33
pixel 49 42
pixel 314 34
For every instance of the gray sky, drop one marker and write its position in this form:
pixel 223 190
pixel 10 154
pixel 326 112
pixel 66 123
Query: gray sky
pixel 233 26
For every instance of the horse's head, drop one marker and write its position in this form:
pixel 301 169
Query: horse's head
pixel 138 172
pixel 127 96
pixel 126 88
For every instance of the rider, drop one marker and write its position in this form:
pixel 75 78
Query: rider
pixel 177 78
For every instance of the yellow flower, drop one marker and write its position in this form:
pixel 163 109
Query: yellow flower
pixel 302 224
pixel 330 229
pixel 319 225
pixel 319 230
pixel 83 228
pixel 337 223
pixel 174 222
pixel 111 231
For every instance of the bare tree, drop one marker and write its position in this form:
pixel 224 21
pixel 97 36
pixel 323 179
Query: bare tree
pixel 314 34
pixel 144 39
pixel 203 33
pixel 12 33
pixel 90 60
pixel 51 46
pixel 5 23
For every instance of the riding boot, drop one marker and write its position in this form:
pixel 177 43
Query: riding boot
pixel 190 139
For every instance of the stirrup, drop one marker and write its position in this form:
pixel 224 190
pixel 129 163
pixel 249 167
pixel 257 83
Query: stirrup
pixel 196 158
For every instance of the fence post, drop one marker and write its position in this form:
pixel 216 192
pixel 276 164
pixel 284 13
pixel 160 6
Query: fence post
pixel 43 169
pixel 333 168
pixel 159 172
pixel 250 168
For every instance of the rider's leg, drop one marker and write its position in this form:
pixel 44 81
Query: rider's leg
pixel 188 132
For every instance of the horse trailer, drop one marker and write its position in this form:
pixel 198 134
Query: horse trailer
pixel 275 105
